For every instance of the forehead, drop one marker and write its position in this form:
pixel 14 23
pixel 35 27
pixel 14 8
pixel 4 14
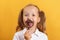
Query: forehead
pixel 30 9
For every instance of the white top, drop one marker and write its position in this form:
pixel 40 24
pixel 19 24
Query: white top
pixel 35 36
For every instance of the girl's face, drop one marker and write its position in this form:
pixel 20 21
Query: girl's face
pixel 30 16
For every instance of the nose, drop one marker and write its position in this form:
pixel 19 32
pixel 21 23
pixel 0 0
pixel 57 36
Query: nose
pixel 30 18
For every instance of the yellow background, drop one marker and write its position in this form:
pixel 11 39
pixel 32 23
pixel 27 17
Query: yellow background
pixel 9 10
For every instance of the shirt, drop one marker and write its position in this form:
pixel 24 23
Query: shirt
pixel 37 35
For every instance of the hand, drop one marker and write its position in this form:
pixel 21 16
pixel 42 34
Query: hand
pixel 28 33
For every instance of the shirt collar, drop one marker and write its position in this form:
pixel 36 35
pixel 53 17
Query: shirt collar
pixel 36 32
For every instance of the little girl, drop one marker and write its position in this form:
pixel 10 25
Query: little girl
pixel 31 22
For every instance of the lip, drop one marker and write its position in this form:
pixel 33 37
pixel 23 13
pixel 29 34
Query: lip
pixel 29 23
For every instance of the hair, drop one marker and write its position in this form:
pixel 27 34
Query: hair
pixel 40 25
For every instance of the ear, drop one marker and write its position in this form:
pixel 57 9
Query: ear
pixel 38 19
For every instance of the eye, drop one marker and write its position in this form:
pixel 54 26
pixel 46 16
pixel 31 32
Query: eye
pixel 33 15
pixel 26 14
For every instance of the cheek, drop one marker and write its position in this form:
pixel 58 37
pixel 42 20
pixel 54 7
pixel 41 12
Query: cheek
pixel 24 19
pixel 35 20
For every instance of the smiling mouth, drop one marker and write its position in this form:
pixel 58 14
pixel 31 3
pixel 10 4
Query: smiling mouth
pixel 29 23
